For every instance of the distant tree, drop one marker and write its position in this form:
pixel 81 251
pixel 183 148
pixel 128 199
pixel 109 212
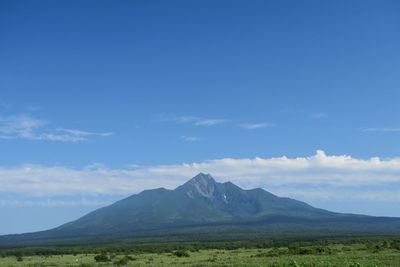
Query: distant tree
pixel 101 258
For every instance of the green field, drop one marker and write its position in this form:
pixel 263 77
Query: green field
pixel 371 254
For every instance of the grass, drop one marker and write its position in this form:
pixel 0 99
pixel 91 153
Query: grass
pixel 334 255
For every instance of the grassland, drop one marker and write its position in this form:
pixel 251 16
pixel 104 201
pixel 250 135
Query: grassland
pixel 350 255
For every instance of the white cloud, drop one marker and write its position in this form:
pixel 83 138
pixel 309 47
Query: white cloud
pixel 27 127
pixel 319 176
pixel 252 126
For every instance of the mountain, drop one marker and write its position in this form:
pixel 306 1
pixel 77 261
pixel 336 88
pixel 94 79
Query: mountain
pixel 203 205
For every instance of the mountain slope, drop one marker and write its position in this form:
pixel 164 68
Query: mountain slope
pixel 202 202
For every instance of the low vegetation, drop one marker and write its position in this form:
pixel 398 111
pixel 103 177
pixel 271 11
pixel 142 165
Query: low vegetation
pixel 347 252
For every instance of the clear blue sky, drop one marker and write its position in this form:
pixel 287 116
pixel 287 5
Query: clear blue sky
pixel 148 83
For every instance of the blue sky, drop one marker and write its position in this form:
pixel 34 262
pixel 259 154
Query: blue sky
pixel 151 92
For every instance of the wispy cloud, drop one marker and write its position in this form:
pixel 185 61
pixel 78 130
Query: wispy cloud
pixel 304 113
pixel 27 127
pixel 190 138
pixel 180 119
pixel 208 122
pixel 340 194
pixel 82 133
pixel 52 203
pixel 321 176
pixel 383 130
pixel 22 126
pixel 58 137
pixel 197 121
pixel 253 126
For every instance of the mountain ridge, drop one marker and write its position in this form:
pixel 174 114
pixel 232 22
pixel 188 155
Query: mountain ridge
pixel 203 202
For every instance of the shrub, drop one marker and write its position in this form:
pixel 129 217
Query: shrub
pixel 101 258
pixel 323 250
pixel 395 245
pixel 130 258
pixel 374 247
pixel 298 250
pixel 181 253
pixel 212 259
pixel 123 261
pixel 294 264
pixel 275 252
